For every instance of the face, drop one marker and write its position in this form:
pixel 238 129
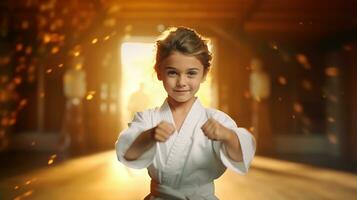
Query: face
pixel 181 76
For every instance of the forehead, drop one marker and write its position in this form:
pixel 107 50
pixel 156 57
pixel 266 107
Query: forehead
pixel 180 61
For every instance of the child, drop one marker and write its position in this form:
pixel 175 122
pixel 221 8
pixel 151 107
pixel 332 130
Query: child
pixel 184 146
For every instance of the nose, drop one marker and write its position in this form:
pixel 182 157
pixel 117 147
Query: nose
pixel 181 81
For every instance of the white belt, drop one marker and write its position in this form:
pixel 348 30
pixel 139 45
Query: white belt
pixel 169 193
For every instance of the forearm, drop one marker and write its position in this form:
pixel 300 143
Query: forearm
pixel 141 144
pixel 233 147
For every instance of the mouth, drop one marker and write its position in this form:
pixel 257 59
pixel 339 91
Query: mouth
pixel 181 90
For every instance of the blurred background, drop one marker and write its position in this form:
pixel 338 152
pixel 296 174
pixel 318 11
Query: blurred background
pixel 72 73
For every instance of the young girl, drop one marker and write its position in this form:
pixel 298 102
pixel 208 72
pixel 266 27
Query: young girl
pixel 184 146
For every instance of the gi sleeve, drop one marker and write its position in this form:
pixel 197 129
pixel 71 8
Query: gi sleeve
pixel 140 123
pixel 247 143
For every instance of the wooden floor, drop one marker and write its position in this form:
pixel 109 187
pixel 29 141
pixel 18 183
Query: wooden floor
pixel 101 176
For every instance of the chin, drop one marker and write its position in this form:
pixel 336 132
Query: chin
pixel 181 99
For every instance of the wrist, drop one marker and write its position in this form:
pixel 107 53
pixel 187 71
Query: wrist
pixel 228 135
pixel 149 136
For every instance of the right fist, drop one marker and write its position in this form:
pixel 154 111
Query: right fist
pixel 163 131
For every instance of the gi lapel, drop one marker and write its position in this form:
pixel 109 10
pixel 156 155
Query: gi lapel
pixel 179 151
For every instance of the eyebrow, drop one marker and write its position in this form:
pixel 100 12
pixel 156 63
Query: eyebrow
pixel 193 68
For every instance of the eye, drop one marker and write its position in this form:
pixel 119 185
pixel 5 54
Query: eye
pixel 171 73
pixel 192 73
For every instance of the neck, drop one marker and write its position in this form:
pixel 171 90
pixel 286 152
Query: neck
pixel 180 106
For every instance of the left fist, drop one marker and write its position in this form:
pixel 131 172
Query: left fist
pixel 215 131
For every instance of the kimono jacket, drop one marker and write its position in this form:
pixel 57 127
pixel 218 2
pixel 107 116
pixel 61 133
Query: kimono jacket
pixel 185 166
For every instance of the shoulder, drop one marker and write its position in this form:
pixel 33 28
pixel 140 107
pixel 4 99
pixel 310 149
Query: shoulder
pixel 215 112
pixel 146 115
pixel 220 116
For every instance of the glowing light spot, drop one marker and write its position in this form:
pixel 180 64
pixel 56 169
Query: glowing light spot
pixel 106 37
pixel 46 38
pixel 282 80
pixel 331 71
pixel 23 102
pixel 251 129
pixel 54 50
pixel 16 187
pixel 12 121
pixel 19 47
pixel 52 158
pixel 273 45
pixel 28 193
pixel 77 53
pixel 95 40
pixel 90 95
pixel 78 66
pixel 18 80
pixel 49 71
pixel 331 119
pixel 298 107
pixel 302 59
pixel 60 65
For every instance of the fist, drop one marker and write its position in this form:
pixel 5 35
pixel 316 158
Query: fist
pixel 214 130
pixel 163 131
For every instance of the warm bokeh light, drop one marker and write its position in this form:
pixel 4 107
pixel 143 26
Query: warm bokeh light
pixel 331 71
pixel 95 40
pixel 282 80
pixel 137 56
pixel 77 53
pixel 90 95
pixel 331 119
pixel 303 60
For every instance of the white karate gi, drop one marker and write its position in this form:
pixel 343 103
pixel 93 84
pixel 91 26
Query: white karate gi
pixel 185 166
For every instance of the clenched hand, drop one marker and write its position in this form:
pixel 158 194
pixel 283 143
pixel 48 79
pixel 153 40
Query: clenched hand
pixel 163 131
